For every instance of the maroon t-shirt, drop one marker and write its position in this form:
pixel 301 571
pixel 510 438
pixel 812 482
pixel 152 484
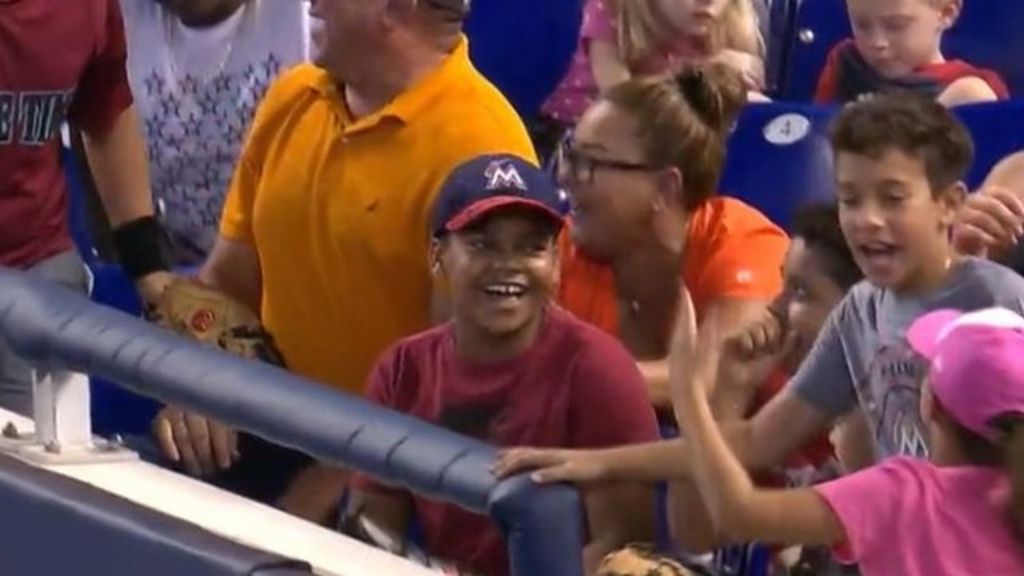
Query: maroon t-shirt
pixel 576 387
pixel 57 59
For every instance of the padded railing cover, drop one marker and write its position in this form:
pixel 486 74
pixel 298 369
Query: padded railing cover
pixel 55 526
pixel 55 328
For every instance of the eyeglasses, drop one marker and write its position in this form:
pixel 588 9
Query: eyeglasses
pixel 581 166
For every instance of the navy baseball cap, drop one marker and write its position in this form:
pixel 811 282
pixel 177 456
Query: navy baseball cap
pixel 487 183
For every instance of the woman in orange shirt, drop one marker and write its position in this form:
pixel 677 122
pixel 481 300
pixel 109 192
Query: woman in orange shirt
pixel 642 171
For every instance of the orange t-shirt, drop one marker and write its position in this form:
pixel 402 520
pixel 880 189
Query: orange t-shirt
pixel 732 251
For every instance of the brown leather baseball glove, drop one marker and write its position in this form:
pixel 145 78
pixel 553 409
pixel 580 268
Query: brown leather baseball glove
pixel 641 560
pixel 213 318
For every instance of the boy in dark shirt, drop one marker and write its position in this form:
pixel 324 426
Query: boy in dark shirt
pixel 511 368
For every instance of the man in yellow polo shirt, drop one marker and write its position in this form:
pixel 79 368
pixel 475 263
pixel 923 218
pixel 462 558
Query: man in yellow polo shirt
pixel 325 229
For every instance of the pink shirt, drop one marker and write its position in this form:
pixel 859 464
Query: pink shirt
pixel 910 517
pixel 579 89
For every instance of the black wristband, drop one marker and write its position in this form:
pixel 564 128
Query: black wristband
pixel 141 247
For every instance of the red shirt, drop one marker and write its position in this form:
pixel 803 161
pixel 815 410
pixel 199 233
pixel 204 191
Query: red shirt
pixel 575 387
pixel 810 461
pixel 57 59
pixel 845 59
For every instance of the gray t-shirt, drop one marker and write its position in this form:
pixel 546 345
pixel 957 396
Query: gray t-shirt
pixel 862 358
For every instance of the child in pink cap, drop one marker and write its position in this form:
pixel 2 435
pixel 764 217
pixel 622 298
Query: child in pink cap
pixel 961 512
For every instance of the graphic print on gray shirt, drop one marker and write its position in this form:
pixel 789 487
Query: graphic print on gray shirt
pixel 862 358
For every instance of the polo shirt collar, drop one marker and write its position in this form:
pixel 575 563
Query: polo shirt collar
pixel 413 101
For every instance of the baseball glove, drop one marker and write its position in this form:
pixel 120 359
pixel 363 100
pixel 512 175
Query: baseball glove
pixel 213 318
pixel 641 560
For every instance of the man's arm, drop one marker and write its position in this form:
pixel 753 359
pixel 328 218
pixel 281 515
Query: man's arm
pixel 119 167
pixel 991 221
pixel 203 446
pixel 233 267
pixel 118 162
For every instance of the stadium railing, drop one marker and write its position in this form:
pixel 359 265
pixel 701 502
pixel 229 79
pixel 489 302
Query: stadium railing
pixel 61 332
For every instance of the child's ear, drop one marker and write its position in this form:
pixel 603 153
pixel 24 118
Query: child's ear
pixel 949 12
pixel 932 411
pixel 435 257
pixel 557 252
pixel 950 200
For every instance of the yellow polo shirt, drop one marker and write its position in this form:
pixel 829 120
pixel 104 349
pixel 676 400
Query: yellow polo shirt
pixel 338 208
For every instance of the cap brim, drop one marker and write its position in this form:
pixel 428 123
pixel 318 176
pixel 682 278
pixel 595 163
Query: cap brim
pixel 478 210
pixel 926 332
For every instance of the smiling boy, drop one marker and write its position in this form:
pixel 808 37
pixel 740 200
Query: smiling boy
pixel 510 368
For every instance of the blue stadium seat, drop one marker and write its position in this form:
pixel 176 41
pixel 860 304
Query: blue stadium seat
pixel 78 211
pixel 998 131
pixel 779 159
pixel 987 35
pixel 524 46
pixel 778 35
pixel 115 410
pixel 816 25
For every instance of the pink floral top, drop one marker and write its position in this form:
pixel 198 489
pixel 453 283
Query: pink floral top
pixel 579 88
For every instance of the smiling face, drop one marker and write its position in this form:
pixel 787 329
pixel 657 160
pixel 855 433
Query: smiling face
pixel 612 191
pixel 896 227
pixel 808 296
pixel 501 272
pixel 896 37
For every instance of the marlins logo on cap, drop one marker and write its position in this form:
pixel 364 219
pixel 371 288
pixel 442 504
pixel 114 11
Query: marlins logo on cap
pixel 503 175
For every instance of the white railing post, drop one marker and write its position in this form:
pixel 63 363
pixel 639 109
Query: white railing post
pixel 61 410
pixel 63 425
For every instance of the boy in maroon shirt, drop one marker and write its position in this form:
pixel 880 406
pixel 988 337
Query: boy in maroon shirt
pixel 511 368
pixel 60 61
pixel 896 45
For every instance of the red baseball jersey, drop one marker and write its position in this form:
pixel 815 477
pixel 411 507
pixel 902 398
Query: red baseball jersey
pixel 58 60
pixel 575 387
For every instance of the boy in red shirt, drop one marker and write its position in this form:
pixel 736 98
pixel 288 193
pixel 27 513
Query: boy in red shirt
pixel 511 368
pixel 897 45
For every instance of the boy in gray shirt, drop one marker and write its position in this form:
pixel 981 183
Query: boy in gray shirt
pixel 862 357
pixel 899 164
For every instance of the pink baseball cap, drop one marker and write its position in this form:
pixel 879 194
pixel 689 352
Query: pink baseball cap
pixel 977 363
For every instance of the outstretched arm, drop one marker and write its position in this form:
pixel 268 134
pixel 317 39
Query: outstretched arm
pixel 739 509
